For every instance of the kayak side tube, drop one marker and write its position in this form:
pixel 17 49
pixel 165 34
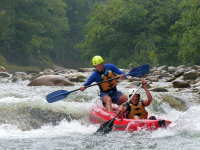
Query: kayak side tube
pixel 100 116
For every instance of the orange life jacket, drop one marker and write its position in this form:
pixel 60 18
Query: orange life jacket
pixel 137 111
pixel 105 86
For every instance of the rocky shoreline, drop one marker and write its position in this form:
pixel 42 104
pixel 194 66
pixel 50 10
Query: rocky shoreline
pixel 184 79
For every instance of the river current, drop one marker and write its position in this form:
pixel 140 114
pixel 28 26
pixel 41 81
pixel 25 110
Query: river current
pixel 28 121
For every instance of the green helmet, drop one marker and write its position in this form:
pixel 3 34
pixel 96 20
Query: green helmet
pixel 97 60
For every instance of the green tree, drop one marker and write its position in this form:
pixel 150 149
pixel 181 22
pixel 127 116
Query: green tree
pixel 77 12
pixel 110 31
pixel 35 30
pixel 127 31
pixel 186 31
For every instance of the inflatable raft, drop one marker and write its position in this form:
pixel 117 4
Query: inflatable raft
pixel 99 116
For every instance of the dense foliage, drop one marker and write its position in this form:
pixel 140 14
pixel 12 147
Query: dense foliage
pixel 187 31
pixel 126 31
pixel 122 31
pixel 36 30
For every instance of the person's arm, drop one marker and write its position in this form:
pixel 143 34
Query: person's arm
pixel 93 78
pixel 149 97
pixel 113 68
pixel 122 109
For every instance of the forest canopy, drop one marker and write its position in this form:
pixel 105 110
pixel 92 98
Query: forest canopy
pixel 69 33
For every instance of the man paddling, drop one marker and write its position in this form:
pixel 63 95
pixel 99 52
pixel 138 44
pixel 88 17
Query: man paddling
pixel 108 91
pixel 135 109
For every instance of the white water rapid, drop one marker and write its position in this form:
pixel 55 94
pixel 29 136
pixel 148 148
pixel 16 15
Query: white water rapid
pixel 28 121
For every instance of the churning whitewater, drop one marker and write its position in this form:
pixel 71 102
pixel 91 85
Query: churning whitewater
pixel 28 121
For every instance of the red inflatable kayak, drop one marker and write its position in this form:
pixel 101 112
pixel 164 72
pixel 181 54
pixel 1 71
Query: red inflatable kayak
pixel 99 116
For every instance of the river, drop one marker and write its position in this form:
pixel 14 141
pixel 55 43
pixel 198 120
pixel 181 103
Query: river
pixel 27 121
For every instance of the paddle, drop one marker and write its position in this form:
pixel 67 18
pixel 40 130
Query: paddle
pixel 108 125
pixel 61 94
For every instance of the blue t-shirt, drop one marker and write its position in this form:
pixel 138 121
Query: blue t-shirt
pixel 96 76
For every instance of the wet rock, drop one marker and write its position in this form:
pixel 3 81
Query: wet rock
pixel 50 80
pixel 180 84
pixel 190 75
pixel 152 78
pixel 163 68
pixel 162 75
pixel 48 71
pixel 170 79
pixel 73 79
pixel 155 73
pixel 31 71
pixel 82 80
pixel 15 80
pixel 29 118
pixel 81 76
pixel 23 75
pixel 19 74
pixel 159 90
pixel 195 67
pixel 86 69
pixel 179 72
pixel 175 102
pixel 182 66
pixel 189 91
pixel 171 69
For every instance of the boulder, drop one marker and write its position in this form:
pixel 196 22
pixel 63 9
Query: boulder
pixel 180 84
pixel 162 75
pixel 155 73
pixel 73 79
pixel 81 76
pixel 32 71
pixel 152 78
pixel 159 90
pixel 134 79
pixel 50 80
pixel 195 67
pixel 162 68
pixel 179 72
pixel 82 80
pixel 48 71
pixel 193 74
pixel 171 69
pixel 23 75
pixel 86 69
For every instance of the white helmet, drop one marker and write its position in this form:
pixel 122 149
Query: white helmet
pixel 132 91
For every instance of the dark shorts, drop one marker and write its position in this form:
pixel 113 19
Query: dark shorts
pixel 114 96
